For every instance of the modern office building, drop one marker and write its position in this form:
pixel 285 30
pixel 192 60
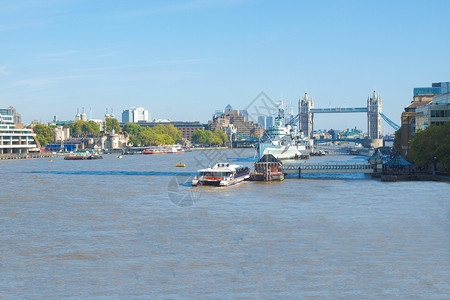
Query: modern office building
pixel 14 139
pixel 435 89
pixel 437 112
pixel 262 121
pixel 135 115
pixel 11 111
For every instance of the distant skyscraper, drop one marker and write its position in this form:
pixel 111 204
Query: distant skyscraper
pixel 262 121
pixel 245 113
pixel 11 111
pixel 135 115
pixel 269 121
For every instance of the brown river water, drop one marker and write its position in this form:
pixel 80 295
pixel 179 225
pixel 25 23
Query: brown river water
pixel 135 228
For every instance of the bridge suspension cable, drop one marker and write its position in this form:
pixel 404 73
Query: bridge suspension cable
pixel 390 122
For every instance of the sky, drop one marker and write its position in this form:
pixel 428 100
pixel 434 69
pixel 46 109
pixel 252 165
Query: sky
pixel 183 60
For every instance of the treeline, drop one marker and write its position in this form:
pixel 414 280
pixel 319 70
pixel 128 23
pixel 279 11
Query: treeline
pixel 209 138
pixel 157 135
pixel 431 146
pixel 83 128
pixel 80 128
pixel 138 135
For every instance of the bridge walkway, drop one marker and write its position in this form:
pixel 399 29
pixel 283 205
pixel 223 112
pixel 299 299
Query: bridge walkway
pixel 305 168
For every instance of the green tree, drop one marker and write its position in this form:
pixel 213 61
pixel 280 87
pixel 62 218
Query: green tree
pixel 76 128
pixel 222 136
pixel 208 137
pixel 111 124
pixel 198 137
pixel 90 127
pixel 431 145
pixel 132 128
pixel 160 129
pixel 174 133
pixel 397 140
pixel 44 134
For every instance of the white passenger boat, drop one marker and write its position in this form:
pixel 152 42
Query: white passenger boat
pixel 222 174
pixel 175 149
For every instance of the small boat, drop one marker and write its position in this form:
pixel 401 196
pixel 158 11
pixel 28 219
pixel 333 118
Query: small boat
pixel 77 156
pixel 175 149
pixel 180 165
pixel 222 174
pixel 83 156
pixel 95 156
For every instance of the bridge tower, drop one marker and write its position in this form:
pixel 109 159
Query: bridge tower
pixel 373 116
pixel 305 116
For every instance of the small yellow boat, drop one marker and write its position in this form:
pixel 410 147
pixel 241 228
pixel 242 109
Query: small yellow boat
pixel 120 156
pixel 180 165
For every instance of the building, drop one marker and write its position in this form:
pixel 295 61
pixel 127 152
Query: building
pixel 435 89
pixel 11 111
pixel 186 128
pixel 265 121
pixel 14 139
pixel 437 112
pixel 239 122
pixel 421 97
pixel 262 121
pixel 135 115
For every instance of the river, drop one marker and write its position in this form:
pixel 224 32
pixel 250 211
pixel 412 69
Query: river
pixel 135 228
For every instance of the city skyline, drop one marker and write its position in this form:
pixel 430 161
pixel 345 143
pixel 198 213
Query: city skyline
pixel 186 59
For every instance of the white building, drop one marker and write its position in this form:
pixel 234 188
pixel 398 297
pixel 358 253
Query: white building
pixel 14 139
pixel 135 115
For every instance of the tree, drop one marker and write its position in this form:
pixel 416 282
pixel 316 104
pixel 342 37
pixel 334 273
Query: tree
pixel 397 140
pixel 132 128
pixel 431 145
pixel 160 129
pixel 198 137
pixel 44 134
pixel 76 128
pixel 90 127
pixel 111 124
pixel 222 136
pixel 174 133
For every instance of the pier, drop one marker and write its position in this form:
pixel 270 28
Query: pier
pixel 27 155
pixel 305 168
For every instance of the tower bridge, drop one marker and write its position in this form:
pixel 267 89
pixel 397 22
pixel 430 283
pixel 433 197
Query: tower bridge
pixel 306 111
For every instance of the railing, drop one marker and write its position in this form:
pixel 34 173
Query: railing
pixel 26 155
pixel 297 168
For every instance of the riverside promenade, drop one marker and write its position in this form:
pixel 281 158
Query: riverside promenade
pixel 27 156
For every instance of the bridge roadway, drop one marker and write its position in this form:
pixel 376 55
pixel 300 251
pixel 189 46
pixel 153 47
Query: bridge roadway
pixel 305 168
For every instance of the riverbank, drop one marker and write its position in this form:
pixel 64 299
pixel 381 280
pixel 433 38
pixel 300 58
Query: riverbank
pixel 27 156
pixel 415 177
pixel 209 148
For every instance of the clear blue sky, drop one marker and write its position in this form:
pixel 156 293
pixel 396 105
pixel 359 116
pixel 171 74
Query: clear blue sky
pixel 184 59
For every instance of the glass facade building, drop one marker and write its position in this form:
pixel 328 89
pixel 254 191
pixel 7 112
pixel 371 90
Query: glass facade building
pixel 435 89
